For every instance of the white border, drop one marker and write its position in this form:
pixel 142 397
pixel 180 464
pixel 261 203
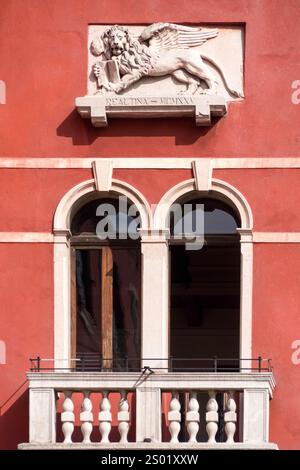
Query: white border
pixel 26 237
pixel 152 162
pixel 47 237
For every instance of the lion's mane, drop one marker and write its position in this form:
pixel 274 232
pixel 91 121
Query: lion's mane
pixel 135 58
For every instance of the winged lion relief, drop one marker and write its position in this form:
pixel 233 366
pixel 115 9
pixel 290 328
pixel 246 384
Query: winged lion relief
pixel 161 49
pixel 162 70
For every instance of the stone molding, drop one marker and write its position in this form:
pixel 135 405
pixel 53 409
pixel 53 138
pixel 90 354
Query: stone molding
pixel 103 170
pixel 202 170
pixel 149 446
pixel 48 237
pixel 98 109
pixel 167 163
pixel 162 380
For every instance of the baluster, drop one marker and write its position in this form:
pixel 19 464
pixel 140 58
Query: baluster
pixel 174 417
pixel 68 417
pixel 192 417
pixel 86 417
pixel 123 417
pixel 212 417
pixel 230 418
pixel 105 417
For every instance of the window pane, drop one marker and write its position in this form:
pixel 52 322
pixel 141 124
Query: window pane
pixel 205 303
pixel 88 288
pixel 125 312
pixel 205 288
pixel 126 317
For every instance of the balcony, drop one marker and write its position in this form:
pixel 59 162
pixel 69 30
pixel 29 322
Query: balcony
pixel 154 408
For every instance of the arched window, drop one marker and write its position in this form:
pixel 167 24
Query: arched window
pixel 105 284
pixel 228 223
pixel 205 284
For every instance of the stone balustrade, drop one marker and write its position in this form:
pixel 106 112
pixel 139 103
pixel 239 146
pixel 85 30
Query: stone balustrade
pixel 203 410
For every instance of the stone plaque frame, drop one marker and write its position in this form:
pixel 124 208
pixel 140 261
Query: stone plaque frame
pixel 163 96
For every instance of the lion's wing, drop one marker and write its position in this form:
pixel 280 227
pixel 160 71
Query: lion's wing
pixel 174 36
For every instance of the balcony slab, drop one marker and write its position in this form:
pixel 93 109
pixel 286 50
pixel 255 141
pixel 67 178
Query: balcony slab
pixel 151 446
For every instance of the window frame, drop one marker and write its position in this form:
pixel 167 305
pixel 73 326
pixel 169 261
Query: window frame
pixel 92 242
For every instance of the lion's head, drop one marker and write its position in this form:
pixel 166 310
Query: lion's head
pixel 116 40
pixel 117 44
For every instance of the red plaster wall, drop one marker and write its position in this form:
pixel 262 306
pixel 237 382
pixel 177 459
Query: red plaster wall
pixel 276 306
pixel 29 197
pixel 43 52
pixel 272 194
pixel 43 57
pixel 26 326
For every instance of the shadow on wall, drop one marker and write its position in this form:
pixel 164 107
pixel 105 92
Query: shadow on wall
pixel 14 422
pixel 83 133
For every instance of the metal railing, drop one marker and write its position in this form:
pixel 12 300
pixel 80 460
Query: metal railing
pixel 90 362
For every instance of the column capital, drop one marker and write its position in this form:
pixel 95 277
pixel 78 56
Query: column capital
pixel 246 235
pixel 61 236
pixel 154 235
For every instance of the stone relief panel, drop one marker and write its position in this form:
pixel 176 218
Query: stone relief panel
pixel 162 69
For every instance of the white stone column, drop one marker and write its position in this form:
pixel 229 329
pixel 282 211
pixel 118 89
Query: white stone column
pixel 230 417
pixel 123 417
pixel 174 417
pixel 246 297
pixel 148 414
pixel 86 417
pixel 105 417
pixel 155 298
pixel 62 301
pixel 42 416
pixel 255 415
pixel 212 417
pixel 192 417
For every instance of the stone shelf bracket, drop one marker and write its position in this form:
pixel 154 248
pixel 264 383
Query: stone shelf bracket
pixel 202 107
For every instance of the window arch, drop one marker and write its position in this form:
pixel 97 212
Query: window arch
pixel 155 262
pixel 74 225
pixel 228 194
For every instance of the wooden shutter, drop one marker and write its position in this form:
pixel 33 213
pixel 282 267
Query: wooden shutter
pixel 106 313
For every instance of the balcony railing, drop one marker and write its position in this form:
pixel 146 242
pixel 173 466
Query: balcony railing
pixel 150 408
pixel 87 362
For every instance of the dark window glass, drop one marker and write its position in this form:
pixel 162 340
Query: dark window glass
pixel 205 293
pixel 106 309
pixel 106 215
pixel 218 218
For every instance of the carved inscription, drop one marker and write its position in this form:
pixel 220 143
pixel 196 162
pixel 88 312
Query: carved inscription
pixel 148 101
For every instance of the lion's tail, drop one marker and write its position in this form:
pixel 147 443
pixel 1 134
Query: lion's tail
pixel 234 93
